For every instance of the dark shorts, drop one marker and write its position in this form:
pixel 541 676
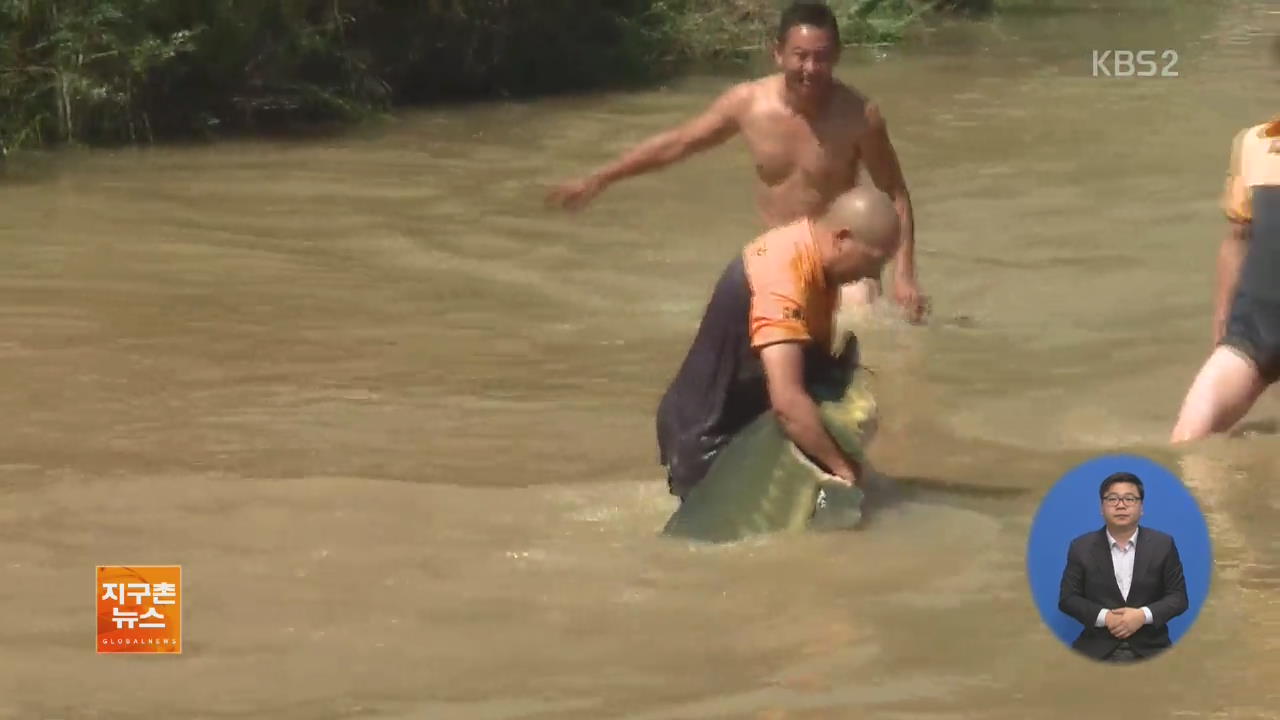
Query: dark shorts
pixel 1253 330
pixel 720 387
pixel 1253 327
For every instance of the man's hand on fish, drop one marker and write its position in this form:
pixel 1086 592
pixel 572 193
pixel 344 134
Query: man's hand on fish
pixel 797 412
pixel 849 477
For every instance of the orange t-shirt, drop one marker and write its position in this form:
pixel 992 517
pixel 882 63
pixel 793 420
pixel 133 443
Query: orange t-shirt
pixel 790 300
pixel 1255 161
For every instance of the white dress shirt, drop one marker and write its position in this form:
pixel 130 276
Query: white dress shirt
pixel 1122 559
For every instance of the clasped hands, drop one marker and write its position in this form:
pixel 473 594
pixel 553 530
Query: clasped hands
pixel 1123 622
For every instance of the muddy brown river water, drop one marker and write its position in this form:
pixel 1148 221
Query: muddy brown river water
pixel 395 420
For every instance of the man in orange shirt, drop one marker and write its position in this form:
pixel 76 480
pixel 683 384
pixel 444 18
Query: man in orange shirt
pixel 1246 321
pixel 768 326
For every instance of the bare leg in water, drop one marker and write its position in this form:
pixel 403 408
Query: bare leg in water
pixel 1223 392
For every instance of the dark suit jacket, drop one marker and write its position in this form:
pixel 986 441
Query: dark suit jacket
pixel 1089 585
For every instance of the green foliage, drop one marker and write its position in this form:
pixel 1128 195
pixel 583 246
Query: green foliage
pixel 453 48
pixel 66 67
pixel 732 30
pixel 126 70
pixel 133 70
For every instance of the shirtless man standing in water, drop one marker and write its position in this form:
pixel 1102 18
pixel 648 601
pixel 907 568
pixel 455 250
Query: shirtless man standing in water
pixel 808 134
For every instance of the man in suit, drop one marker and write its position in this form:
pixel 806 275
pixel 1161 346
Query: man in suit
pixel 1123 582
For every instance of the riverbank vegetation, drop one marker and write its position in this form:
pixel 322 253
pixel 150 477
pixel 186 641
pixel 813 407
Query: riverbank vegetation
pixel 112 71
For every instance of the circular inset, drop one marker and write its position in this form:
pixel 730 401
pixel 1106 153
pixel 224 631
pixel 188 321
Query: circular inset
pixel 1119 559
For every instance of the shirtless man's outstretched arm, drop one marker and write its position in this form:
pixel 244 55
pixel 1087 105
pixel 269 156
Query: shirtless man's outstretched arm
pixel 715 125
pixel 886 172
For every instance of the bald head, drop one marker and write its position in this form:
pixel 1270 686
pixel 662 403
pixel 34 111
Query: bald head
pixel 865 213
pixel 862 230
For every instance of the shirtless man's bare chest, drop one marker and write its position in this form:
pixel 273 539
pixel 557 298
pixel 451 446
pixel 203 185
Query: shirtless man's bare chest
pixel 802 163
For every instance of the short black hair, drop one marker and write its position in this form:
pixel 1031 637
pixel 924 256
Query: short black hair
pixel 817 14
pixel 1121 477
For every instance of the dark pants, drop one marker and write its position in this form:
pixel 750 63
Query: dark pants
pixel 1253 330
pixel 1123 653
pixel 720 387
pixel 1253 326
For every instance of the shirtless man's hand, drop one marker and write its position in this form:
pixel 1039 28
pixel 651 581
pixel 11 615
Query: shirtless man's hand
pixel 907 294
pixel 576 194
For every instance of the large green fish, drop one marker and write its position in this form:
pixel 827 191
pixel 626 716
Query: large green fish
pixel 761 482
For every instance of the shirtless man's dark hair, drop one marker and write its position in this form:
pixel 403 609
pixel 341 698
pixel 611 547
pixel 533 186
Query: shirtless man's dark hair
pixel 814 14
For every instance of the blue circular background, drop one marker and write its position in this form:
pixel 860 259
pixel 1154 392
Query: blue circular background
pixel 1072 508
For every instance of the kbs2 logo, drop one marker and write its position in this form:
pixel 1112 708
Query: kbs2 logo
pixel 1127 63
pixel 139 609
